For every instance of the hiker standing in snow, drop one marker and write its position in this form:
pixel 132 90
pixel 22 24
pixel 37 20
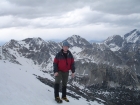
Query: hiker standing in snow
pixel 63 62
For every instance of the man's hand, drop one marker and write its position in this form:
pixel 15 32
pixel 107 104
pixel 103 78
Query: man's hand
pixel 56 74
pixel 72 75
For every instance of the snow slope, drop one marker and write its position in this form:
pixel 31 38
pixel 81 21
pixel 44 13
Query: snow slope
pixel 18 86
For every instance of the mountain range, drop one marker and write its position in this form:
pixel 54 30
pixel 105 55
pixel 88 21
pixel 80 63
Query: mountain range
pixel 111 64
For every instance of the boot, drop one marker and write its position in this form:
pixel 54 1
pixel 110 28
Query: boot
pixel 56 93
pixel 64 94
pixel 65 98
pixel 58 100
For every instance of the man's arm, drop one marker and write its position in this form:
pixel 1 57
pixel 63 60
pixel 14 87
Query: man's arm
pixel 55 64
pixel 73 65
pixel 73 68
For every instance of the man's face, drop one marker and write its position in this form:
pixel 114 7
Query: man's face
pixel 65 48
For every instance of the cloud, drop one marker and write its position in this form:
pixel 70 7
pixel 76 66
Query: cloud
pixel 13 21
pixel 37 8
pixel 44 8
pixel 92 19
pixel 120 7
pixel 75 18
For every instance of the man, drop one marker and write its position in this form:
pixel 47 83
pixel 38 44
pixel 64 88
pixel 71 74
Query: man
pixel 63 62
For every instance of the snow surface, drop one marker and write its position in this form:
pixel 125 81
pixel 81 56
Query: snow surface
pixel 114 47
pixel 18 86
pixel 24 44
pixel 75 49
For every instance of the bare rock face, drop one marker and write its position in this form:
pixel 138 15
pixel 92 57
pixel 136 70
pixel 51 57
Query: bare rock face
pixel 105 75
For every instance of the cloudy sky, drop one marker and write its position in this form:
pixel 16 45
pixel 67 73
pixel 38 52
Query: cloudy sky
pixel 59 19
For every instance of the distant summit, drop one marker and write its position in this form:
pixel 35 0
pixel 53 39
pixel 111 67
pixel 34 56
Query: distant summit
pixel 133 36
pixel 76 40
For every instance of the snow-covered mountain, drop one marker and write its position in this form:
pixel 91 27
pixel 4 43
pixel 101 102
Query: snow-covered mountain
pixel 78 41
pixel 114 42
pixel 112 63
pixel 42 54
pixel 133 36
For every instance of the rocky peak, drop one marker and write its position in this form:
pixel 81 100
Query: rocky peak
pixel 116 39
pixel 33 43
pixel 76 36
pixel 36 41
pixel 12 44
pixel 133 36
pixel 78 41
pixel 114 42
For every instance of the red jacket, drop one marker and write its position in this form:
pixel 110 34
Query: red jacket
pixel 63 64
